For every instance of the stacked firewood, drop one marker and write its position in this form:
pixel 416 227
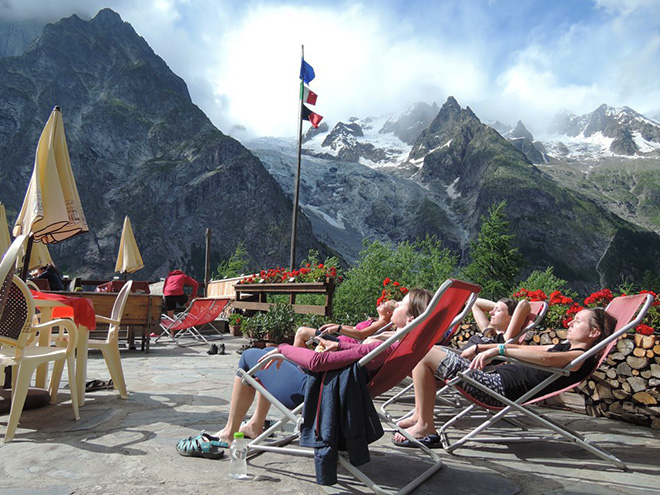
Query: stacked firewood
pixel 627 384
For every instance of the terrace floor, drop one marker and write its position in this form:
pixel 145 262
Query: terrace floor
pixel 122 446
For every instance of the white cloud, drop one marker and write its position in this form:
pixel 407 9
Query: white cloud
pixel 506 60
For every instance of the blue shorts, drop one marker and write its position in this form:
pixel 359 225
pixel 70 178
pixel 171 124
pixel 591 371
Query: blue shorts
pixel 287 383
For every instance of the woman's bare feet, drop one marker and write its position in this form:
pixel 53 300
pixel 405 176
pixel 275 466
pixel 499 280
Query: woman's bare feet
pixel 416 431
pixel 252 430
pixel 407 422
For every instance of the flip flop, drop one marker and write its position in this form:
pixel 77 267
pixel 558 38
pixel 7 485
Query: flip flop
pixel 431 441
pixel 202 445
pixel 93 385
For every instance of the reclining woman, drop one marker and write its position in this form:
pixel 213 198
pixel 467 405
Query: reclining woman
pixel 347 333
pixel 286 381
pixel 507 319
pixel 511 380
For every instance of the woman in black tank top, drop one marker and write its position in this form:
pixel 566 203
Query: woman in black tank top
pixel 588 327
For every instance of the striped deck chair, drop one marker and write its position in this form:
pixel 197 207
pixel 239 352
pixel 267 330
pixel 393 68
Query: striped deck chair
pixel 452 301
pixel 201 311
pixel 629 311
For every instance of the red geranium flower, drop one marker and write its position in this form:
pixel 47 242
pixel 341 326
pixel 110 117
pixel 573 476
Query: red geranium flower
pixel 644 329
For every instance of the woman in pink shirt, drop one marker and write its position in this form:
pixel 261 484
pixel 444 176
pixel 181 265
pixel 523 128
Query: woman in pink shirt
pixel 286 381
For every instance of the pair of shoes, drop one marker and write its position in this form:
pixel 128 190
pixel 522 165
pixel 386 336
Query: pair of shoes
pixel 212 350
pixel 202 445
pixel 154 335
pixel 431 441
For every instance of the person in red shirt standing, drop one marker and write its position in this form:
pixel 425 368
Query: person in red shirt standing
pixel 173 290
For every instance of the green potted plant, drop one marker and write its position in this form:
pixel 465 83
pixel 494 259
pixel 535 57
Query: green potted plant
pixel 280 323
pixel 235 322
pixel 254 328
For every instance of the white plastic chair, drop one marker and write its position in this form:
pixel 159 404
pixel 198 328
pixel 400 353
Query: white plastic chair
pixel 110 346
pixel 16 330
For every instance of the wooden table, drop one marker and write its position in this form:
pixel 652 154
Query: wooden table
pixel 141 313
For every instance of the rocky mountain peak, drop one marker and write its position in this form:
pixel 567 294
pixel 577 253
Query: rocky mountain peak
pixel 520 131
pixel 410 123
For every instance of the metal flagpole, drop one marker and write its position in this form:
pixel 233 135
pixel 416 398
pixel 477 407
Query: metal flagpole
pixel 294 221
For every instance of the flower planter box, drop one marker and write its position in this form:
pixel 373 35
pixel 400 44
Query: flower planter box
pixel 254 297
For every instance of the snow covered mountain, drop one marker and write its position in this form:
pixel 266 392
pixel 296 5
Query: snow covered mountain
pixel 605 132
pixel 374 142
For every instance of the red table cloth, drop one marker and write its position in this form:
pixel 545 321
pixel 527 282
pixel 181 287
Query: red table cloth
pixel 78 308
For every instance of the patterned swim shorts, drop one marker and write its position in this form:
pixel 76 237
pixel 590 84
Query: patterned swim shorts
pixel 453 363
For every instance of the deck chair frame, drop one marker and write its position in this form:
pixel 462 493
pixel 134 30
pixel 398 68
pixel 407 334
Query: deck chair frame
pixel 187 321
pixel 382 381
pixel 629 310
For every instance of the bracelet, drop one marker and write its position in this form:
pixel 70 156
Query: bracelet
pixel 501 349
pixel 476 348
pixel 339 329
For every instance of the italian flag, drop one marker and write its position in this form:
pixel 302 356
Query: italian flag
pixel 307 95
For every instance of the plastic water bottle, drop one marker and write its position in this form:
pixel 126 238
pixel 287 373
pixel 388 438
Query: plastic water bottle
pixel 238 457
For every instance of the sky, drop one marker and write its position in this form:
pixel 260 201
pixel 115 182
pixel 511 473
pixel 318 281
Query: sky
pixel 508 60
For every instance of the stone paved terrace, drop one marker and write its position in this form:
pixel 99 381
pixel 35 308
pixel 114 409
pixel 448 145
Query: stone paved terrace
pixel 127 446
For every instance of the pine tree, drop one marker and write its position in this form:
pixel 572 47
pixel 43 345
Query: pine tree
pixel 495 262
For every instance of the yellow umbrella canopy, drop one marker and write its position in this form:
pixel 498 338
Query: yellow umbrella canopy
pixel 39 256
pixel 129 259
pixel 5 240
pixel 51 210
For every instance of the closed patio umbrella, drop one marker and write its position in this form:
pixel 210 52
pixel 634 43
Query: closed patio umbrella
pixel 51 210
pixel 129 259
pixel 5 240
pixel 40 256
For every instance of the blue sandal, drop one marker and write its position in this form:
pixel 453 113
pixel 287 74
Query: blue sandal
pixel 202 445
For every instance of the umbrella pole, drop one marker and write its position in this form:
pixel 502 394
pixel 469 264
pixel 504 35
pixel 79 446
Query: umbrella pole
pixel 26 260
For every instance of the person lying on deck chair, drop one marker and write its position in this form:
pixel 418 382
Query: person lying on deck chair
pixel 286 381
pixel 511 380
pixel 347 333
pixel 507 319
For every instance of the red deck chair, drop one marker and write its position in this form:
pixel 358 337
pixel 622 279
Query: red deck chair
pixel 448 307
pixel 201 311
pixel 629 312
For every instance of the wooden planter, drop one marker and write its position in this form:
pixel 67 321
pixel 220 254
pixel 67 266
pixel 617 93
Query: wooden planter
pixel 254 297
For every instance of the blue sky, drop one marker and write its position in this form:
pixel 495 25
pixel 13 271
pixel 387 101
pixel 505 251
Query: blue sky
pixel 506 59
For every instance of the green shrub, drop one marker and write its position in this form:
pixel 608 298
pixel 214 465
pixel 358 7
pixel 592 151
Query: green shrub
pixel 424 263
pixel 548 282
pixel 277 325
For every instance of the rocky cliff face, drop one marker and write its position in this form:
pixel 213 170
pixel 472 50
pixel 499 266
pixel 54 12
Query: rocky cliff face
pixel 138 146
